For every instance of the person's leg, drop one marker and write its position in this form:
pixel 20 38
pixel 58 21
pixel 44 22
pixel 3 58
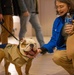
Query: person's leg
pixel 0 37
pixel 60 58
pixel 11 25
pixel 23 23
pixel 0 32
pixel 36 25
pixel 4 33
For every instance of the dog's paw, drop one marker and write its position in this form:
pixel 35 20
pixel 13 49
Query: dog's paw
pixel 8 73
pixel 26 74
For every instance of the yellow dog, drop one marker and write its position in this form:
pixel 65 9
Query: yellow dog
pixel 19 55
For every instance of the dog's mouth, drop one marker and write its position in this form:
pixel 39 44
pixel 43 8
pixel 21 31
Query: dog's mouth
pixel 29 52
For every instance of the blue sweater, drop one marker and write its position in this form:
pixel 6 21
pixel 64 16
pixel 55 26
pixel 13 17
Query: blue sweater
pixel 57 40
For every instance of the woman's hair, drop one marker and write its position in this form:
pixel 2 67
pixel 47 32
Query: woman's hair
pixel 70 3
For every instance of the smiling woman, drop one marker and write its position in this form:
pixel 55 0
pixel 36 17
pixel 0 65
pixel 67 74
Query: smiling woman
pixel 57 39
pixel 62 7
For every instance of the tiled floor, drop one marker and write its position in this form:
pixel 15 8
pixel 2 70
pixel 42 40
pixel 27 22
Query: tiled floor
pixel 41 65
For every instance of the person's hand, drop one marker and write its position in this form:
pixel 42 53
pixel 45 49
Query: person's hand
pixel 69 29
pixel 1 17
pixel 26 14
pixel 39 50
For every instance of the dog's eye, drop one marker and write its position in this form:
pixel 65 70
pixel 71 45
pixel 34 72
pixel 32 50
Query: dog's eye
pixel 23 45
pixel 35 43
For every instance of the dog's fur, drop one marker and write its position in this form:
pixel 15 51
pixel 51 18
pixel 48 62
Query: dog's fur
pixel 17 55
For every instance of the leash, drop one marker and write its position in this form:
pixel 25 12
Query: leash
pixel 1 22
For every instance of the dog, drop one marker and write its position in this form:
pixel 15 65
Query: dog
pixel 19 55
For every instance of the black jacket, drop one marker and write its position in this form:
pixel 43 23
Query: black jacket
pixel 6 7
pixel 16 8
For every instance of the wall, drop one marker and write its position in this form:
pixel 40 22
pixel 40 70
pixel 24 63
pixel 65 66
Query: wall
pixel 47 15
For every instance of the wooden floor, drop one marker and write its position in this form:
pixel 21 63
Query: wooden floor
pixel 41 65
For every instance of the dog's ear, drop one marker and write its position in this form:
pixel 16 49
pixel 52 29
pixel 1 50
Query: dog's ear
pixel 24 42
pixel 21 41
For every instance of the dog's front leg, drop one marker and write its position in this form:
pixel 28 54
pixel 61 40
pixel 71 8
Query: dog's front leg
pixel 6 67
pixel 28 65
pixel 2 55
pixel 18 69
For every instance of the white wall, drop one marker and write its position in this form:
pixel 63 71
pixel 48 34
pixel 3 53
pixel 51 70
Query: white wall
pixel 47 15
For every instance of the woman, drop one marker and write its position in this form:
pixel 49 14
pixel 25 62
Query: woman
pixel 58 38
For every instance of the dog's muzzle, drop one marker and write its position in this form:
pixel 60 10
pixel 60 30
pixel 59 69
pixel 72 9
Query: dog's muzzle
pixel 28 46
pixel 31 45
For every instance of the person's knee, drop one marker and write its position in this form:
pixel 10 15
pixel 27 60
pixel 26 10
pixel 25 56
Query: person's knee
pixel 57 58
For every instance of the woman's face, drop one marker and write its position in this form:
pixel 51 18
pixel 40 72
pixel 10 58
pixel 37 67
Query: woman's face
pixel 62 8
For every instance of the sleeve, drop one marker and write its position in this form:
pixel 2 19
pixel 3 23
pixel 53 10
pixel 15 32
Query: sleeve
pixel 37 7
pixel 3 45
pixel 0 8
pixel 22 5
pixel 52 42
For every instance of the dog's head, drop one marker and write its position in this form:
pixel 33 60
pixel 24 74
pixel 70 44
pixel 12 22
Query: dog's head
pixel 27 45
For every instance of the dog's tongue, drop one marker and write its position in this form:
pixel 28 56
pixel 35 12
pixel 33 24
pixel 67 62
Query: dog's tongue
pixel 31 52
pixel 26 53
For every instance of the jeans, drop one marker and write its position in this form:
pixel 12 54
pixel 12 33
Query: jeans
pixel 33 19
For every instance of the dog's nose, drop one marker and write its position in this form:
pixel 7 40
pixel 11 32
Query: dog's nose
pixel 32 45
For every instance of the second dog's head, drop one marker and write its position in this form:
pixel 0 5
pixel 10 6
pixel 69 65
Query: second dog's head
pixel 27 45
